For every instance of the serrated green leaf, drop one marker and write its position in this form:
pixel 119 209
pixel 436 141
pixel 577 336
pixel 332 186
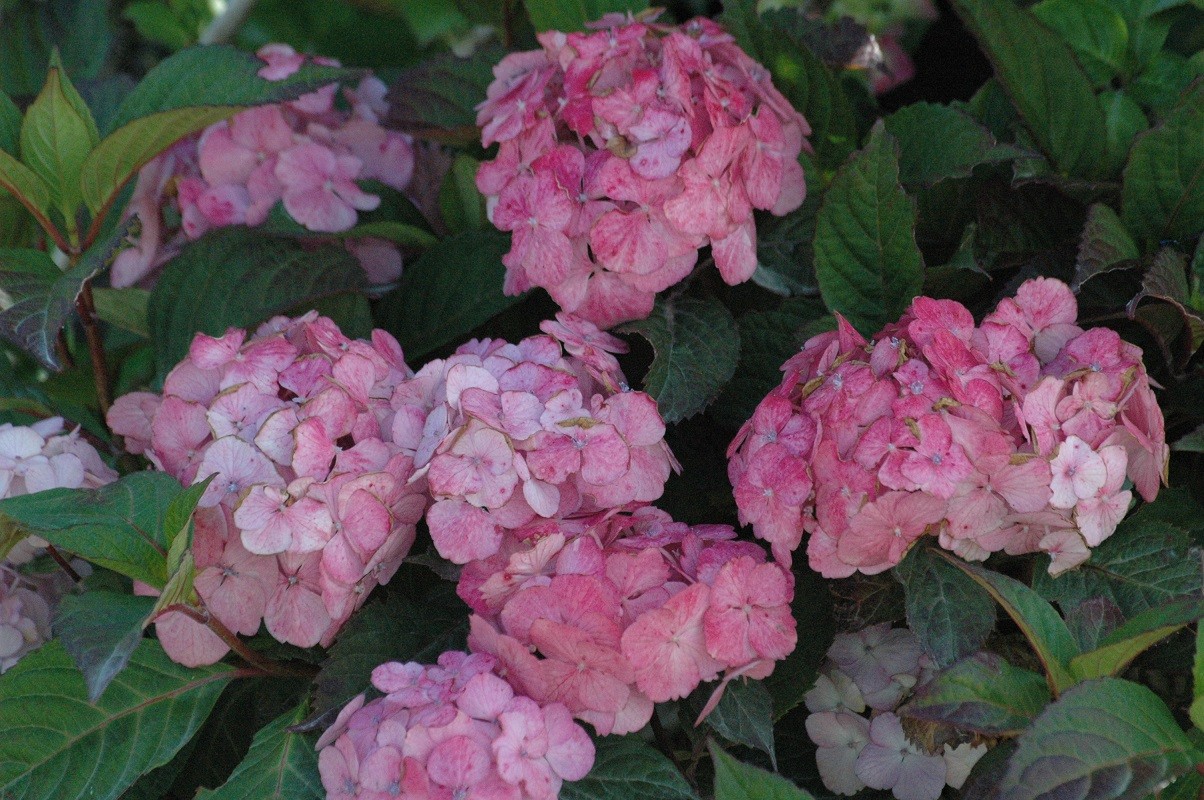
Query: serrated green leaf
pixel 1049 89
pixel 58 746
pixel 218 75
pixel 571 15
pixel 735 780
pixel 118 526
pixel 697 347
pixel 984 694
pixel 1119 648
pixel 744 715
pixel 280 766
pixel 1147 562
pixel 948 612
pixel 1104 245
pixel 866 259
pixel 938 142
pixel 626 767
pixel 1095 32
pixel 1046 632
pixel 57 135
pixel 1105 739
pixel 236 277
pixel 1163 190
pixel 450 289
pixel 100 630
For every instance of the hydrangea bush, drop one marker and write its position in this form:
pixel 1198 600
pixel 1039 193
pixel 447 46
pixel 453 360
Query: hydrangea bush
pixel 383 430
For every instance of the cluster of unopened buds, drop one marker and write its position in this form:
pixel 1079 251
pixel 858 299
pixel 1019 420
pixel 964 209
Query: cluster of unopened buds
pixel 309 503
pixel 510 434
pixel 872 672
pixel 455 729
pixel 612 614
pixel 306 153
pixel 1017 435
pixel 625 150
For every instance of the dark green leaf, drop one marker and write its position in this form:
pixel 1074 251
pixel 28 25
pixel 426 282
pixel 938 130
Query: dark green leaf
pixel 100 631
pixel 1105 739
pixel 794 676
pixel 938 142
pixel 744 715
pixel 10 125
pixel 119 526
pixel 279 766
pixel 1163 190
pixel 218 75
pixel 1119 648
pixel 1038 621
pixel 436 99
pixel 1192 442
pixel 784 257
pixel 866 259
pixel 571 15
pixel 1095 32
pixel 1161 85
pixel 125 308
pixel 950 614
pixel 158 23
pixel 1166 279
pixel 1105 245
pixel 697 347
pixel 237 278
pixel 735 780
pixel 32 29
pixel 58 746
pixel 1196 710
pixel 395 629
pixel 1093 619
pixel 460 204
pixel 1147 562
pixel 1123 120
pixel 1049 89
pixel 984 694
pixel 626 767
pixel 450 289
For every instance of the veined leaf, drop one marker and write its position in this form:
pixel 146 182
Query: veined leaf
pixel 627 767
pixel 280 766
pixel 982 693
pixel 100 630
pixel 938 142
pixel 1104 245
pixel 949 613
pixel 57 134
pixel 735 780
pixel 1163 192
pixel 1118 649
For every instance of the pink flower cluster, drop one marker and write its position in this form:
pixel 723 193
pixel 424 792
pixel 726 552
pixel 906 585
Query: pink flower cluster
pixel 511 434
pixel 309 504
pixel 24 619
pixel 454 730
pixel 41 456
pixel 625 150
pixel 612 614
pixel 874 670
pixel 306 153
pixel 1017 434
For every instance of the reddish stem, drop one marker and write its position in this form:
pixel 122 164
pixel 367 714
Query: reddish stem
pixel 86 307
pixel 265 665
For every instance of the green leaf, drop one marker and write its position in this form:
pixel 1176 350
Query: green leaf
pixel 938 142
pixel 460 204
pixel 950 614
pixel 30 32
pixel 450 289
pixel 100 630
pixel 125 308
pixel 626 767
pixel 236 277
pixel 1105 739
pixel 744 715
pixel 784 256
pixel 571 15
pixel 1049 89
pixel 983 694
pixel 1163 191
pixel 1038 621
pixel 1196 710
pixel 1191 443
pixel 392 629
pixel 1095 32
pixel 218 75
pixel 158 23
pixel 436 99
pixel 1123 121
pixel 279 766
pixel 10 125
pixel 118 526
pixel 25 185
pixel 58 746
pixel 43 298
pixel 117 159
pixel 866 259
pixel 397 232
pixel 177 522
pixel 57 134
pixel 735 780
pixel 794 675
pixel 1147 562
pixel 1119 648
pixel 697 347
pixel 1104 245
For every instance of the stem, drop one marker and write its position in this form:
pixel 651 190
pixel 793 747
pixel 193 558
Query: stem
pixel 226 24
pixel 265 665
pixel 64 563
pixel 87 313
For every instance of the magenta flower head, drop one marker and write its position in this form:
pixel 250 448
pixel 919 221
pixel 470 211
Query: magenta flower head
pixel 626 149
pixel 309 504
pixel 451 730
pixel 1017 434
